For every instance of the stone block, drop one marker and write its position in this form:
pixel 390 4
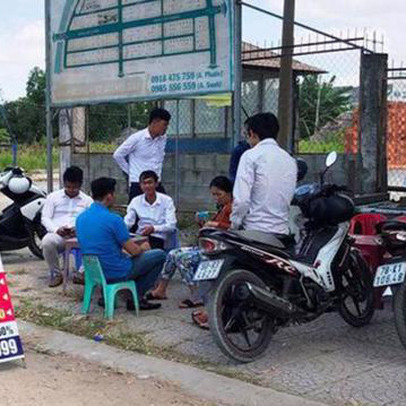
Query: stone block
pixel 205 161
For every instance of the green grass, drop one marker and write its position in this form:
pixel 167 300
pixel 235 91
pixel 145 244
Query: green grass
pixel 311 147
pixel 335 141
pixel 115 334
pixel 29 157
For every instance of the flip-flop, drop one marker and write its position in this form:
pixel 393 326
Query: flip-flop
pixel 196 320
pixel 188 304
pixel 150 296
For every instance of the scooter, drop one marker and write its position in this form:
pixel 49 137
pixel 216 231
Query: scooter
pixel 261 282
pixel 20 222
pixel 391 274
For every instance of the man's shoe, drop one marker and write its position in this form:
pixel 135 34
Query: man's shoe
pixel 55 281
pixel 145 305
pixel 78 278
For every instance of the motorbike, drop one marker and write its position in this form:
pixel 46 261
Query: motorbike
pixel 391 273
pixel 20 222
pixel 261 282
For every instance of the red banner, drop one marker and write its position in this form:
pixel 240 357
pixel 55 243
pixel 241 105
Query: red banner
pixel 10 342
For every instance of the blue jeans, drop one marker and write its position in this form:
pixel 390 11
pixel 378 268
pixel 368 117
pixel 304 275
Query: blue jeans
pixel 146 269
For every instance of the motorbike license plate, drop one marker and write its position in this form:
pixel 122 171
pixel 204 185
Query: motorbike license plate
pixel 390 274
pixel 208 270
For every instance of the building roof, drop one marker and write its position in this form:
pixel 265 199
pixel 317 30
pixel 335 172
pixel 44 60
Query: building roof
pixel 271 61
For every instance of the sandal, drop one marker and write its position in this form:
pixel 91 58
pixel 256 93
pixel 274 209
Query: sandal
pixel 150 296
pixel 200 318
pixel 188 304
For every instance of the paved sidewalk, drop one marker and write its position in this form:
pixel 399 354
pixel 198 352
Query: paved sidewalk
pixel 195 382
pixel 326 361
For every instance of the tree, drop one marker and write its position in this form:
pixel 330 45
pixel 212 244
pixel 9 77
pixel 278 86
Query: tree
pixel 35 88
pixel 320 103
pixel 106 122
pixel 26 115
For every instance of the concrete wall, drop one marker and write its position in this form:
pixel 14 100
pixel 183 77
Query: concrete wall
pixel 196 172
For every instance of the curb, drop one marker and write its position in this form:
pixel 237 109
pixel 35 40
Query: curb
pixel 194 381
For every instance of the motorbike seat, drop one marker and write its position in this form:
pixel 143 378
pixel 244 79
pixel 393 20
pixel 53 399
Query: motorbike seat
pixel 268 240
pixel 391 225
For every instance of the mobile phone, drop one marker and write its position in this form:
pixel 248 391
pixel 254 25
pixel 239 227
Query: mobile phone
pixel 202 215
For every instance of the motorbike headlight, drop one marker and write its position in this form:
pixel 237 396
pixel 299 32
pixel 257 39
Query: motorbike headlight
pixel 401 236
pixel 211 246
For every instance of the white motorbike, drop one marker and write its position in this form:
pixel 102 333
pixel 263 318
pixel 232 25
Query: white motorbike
pixel 20 222
pixel 262 282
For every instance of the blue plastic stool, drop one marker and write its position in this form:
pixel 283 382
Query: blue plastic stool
pixel 172 241
pixel 78 257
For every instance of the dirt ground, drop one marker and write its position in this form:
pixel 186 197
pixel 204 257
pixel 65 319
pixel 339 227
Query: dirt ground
pixel 60 380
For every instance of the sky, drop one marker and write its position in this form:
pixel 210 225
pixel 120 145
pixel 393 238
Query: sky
pixel 22 39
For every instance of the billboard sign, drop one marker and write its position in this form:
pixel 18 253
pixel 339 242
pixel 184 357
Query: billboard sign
pixel 127 50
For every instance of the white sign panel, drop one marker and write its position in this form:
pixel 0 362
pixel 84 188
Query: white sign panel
pixel 118 50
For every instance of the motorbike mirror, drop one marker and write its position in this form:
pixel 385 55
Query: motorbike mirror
pixel 331 159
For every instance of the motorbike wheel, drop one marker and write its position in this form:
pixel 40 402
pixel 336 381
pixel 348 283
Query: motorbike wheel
pixel 239 328
pixel 356 305
pixel 37 233
pixel 399 310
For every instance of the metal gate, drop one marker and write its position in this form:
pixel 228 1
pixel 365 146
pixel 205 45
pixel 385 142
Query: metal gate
pixel 396 129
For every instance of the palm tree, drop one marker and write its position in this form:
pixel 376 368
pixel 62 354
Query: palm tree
pixel 320 103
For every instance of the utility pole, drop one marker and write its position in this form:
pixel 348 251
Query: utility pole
pixel 49 130
pixel 285 108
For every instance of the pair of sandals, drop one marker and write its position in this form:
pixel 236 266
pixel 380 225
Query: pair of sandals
pixel 184 304
pixel 199 316
pixel 201 319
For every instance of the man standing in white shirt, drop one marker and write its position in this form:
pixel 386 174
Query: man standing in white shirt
pixel 265 181
pixel 58 216
pixel 144 151
pixel 153 212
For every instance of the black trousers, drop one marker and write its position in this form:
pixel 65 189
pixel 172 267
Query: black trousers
pixel 135 190
pixel 156 243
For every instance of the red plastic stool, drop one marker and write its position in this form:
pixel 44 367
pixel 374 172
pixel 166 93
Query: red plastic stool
pixel 365 224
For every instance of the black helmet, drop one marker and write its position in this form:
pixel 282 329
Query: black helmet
pixel 301 168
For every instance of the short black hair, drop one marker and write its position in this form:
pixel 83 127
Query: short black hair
pixel 265 125
pixel 222 183
pixel 148 174
pixel 73 174
pixel 101 187
pixel 159 114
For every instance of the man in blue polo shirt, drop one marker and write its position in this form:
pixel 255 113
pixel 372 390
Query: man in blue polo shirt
pixel 103 233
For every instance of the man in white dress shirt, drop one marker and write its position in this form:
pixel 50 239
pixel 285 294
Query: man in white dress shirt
pixel 58 216
pixel 153 212
pixel 144 151
pixel 265 181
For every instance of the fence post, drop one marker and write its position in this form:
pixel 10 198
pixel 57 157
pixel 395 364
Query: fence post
pixel 237 73
pixel 65 141
pixel 372 124
pixel 286 75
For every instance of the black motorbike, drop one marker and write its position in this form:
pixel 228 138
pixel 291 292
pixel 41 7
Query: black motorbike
pixel 20 222
pixel 261 282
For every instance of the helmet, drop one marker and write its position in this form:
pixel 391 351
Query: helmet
pixel 331 210
pixel 19 184
pixel 301 168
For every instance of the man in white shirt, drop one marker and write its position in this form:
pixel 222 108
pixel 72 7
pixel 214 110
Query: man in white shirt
pixel 153 212
pixel 58 216
pixel 265 181
pixel 144 151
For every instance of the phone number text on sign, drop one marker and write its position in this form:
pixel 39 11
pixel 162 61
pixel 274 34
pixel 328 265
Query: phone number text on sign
pixel 10 343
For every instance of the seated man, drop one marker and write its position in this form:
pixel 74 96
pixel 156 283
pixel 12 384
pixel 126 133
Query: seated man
pixel 153 212
pixel 58 216
pixel 103 233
